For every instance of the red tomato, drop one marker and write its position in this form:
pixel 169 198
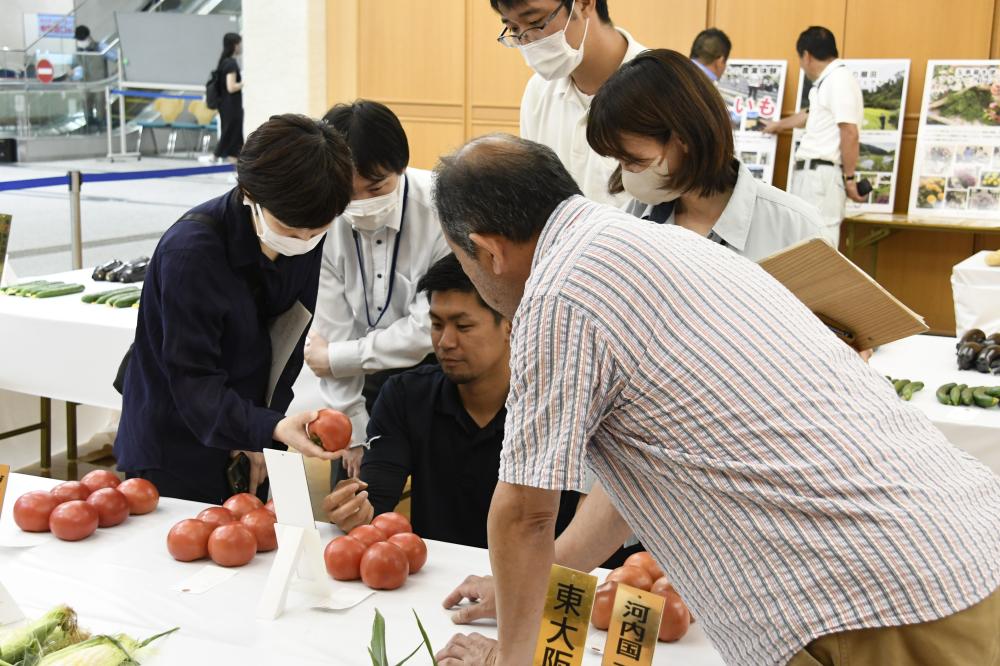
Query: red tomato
pixel 644 560
pixel 270 506
pixel 662 586
pixel 242 504
pixel 676 619
pixel 392 523
pixel 413 546
pixel 142 495
pixel 188 540
pixel 633 576
pixel 604 602
pixel 384 566
pixel 32 510
pixel 367 534
pixel 261 523
pixel 331 429
pixel 100 478
pixel 111 505
pixel 216 516
pixel 231 545
pixel 343 558
pixel 73 520
pixel 69 491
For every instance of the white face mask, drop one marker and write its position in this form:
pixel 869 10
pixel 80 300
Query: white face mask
pixel 82 43
pixel 374 213
pixel 648 185
pixel 552 57
pixel 286 245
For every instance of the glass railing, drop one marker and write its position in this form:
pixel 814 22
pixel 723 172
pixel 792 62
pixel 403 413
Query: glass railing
pixel 31 109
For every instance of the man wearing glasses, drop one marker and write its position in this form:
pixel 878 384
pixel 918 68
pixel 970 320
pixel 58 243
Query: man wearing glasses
pixel 573 47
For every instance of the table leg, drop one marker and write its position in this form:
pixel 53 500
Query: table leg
pixel 849 241
pixel 45 455
pixel 874 256
pixel 71 432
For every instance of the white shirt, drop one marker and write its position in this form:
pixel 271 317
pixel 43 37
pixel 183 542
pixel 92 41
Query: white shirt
pixel 835 97
pixel 402 337
pixel 759 219
pixel 554 113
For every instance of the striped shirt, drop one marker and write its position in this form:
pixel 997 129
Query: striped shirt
pixel 777 479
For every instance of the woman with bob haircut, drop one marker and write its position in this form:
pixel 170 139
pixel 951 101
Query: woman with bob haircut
pixel 669 129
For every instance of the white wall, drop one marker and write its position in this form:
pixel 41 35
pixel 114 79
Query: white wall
pixel 284 59
pixel 12 17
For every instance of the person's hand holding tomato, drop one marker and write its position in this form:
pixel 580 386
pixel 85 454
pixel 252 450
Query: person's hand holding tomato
pixel 480 591
pixel 291 431
pixel 347 506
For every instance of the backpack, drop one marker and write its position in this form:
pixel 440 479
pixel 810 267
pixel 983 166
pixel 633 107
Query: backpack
pixel 212 94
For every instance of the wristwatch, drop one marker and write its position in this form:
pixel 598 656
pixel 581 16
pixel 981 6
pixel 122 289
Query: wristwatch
pixel 849 178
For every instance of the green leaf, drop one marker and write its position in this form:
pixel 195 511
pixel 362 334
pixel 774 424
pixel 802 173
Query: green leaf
pixel 427 641
pixel 377 649
pixel 415 650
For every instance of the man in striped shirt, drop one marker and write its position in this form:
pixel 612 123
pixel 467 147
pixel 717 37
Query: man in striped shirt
pixel 777 479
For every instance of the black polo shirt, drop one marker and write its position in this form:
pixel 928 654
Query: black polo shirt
pixel 425 433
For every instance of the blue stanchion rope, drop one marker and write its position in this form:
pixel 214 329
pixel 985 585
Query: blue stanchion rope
pixel 31 183
pixel 153 95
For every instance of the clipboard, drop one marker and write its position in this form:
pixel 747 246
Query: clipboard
pixel 846 298
pixel 285 330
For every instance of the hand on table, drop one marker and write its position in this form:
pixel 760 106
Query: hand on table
pixel 291 431
pixel 348 506
pixel 471 649
pixel 316 354
pixel 352 461
pixel 258 469
pixel 480 591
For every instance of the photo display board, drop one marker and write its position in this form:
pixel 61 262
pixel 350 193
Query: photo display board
pixel 753 90
pixel 884 84
pixel 956 171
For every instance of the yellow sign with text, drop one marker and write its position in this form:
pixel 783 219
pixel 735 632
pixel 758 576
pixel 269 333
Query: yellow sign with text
pixel 562 637
pixel 4 473
pixel 635 624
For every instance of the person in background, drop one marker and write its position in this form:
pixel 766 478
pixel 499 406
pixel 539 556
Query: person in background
pixel 803 512
pixel 370 320
pixel 710 51
pixel 91 63
pixel 573 47
pixel 668 128
pixel 204 382
pixel 824 173
pixel 440 425
pixel 230 82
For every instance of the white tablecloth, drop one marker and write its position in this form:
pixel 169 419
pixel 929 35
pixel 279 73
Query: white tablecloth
pixel 931 359
pixel 975 288
pixel 119 579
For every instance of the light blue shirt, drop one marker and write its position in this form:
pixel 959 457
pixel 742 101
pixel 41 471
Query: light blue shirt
pixel 709 73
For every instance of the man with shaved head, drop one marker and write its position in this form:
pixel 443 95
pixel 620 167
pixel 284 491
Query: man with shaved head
pixel 804 513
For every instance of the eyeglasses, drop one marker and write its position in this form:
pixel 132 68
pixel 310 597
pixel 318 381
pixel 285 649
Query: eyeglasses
pixel 513 40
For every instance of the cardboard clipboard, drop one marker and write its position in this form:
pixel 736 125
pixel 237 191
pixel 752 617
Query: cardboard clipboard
pixel 842 295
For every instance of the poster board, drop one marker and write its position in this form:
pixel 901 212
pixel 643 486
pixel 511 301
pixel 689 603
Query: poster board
pixel 753 91
pixel 956 170
pixel 884 84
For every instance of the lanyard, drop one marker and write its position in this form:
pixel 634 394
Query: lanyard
pixel 392 268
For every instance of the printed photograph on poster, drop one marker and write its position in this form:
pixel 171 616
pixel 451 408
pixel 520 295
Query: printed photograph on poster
pixel 884 85
pixel 956 170
pixel 754 90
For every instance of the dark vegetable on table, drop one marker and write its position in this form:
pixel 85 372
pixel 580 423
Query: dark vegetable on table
pixel 973 335
pixel 986 357
pixel 967 354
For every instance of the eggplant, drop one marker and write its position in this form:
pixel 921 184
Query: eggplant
pixel 972 335
pixel 995 366
pixel 986 357
pixel 101 272
pixel 966 355
pixel 992 339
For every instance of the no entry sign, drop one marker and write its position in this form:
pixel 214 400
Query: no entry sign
pixel 44 71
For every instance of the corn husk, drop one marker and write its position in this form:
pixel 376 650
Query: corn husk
pixel 53 631
pixel 119 650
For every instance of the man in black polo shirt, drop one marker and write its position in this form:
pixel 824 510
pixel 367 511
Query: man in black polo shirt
pixel 442 425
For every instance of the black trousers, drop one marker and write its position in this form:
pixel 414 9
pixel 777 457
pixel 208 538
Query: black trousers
pixel 231 138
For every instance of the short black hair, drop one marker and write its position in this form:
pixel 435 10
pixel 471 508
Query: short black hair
pixel 710 45
pixel 601 6
pixel 447 275
pixel 819 41
pixel 81 33
pixel 299 169
pixel 375 135
pixel 499 184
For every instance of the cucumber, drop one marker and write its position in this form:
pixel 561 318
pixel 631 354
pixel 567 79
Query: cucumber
pixel 910 389
pixel 126 301
pixel 900 384
pixel 64 290
pixel 32 291
pixel 113 301
pixel 967 395
pixel 114 293
pixel 13 288
pixel 993 391
pixel 955 395
pixel 983 399
pixel 944 393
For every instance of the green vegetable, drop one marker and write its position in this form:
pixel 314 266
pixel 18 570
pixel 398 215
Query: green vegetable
pixel 955 396
pixel 52 631
pixel 93 297
pixel 899 384
pixel 64 290
pixel 120 650
pixel 107 296
pixel 126 301
pixel 984 399
pixel 993 391
pixel 910 389
pixel 10 289
pixel 944 393
pixel 377 650
pixel 129 296
pixel 967 395
pixel 41 286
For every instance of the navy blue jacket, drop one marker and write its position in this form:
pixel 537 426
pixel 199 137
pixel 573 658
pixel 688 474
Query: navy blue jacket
pixel 196 383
